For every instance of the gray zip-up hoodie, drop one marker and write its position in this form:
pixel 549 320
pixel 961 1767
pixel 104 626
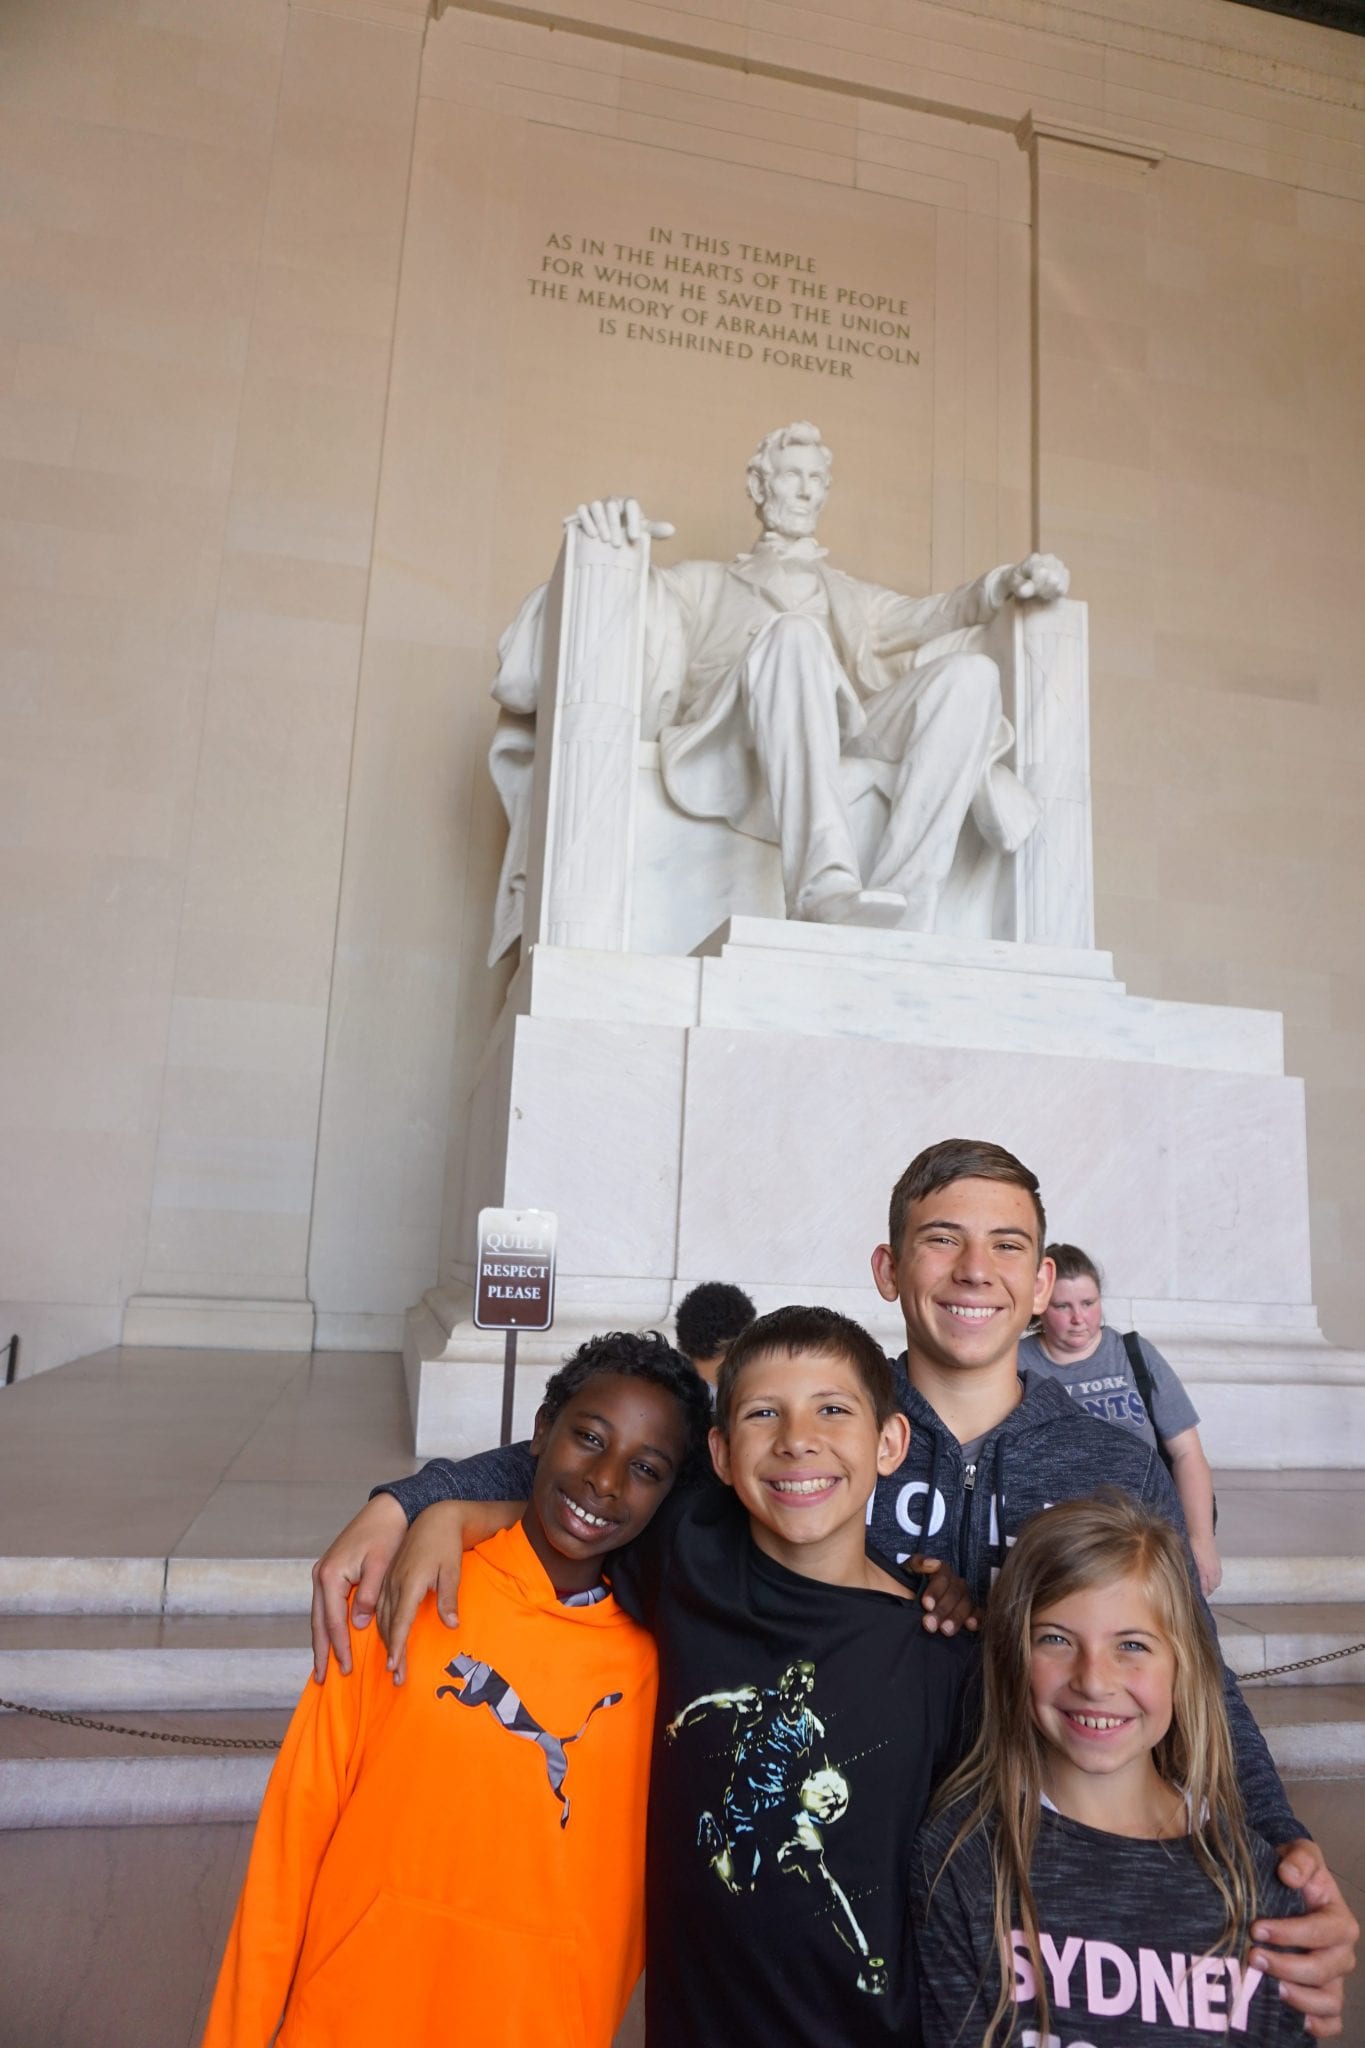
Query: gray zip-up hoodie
pixel 1044 1451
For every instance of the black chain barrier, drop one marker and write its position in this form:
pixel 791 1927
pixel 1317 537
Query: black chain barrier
pixel 142 1734
pixel 253 1743
pixel 1304 1664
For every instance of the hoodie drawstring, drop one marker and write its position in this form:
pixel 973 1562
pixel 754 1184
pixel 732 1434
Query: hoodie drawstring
pixel 998 1549
pixel 928 1540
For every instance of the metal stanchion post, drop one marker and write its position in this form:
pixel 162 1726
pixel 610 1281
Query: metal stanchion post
pixel 509 1382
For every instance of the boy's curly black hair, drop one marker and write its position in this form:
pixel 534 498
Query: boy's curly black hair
pixel 710 1318
pixel 639 1355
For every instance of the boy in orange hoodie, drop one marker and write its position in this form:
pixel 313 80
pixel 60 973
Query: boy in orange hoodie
pixel 466 1852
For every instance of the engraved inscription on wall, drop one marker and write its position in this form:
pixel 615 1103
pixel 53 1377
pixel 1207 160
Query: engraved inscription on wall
pixel 720 296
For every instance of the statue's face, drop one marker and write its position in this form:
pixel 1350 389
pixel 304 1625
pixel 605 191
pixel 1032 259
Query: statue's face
pixel 795 493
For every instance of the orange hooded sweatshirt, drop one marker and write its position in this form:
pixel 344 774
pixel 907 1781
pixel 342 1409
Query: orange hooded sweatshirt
pixel 460 1858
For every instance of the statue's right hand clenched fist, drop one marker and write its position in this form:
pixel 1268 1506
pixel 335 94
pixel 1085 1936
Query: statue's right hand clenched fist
pixel 616 520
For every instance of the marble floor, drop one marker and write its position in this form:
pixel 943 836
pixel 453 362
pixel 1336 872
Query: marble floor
pixel 130 1960
pixel 152 1453
pixel 1295 1514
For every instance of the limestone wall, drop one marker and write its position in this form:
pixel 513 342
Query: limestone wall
pixel 287 432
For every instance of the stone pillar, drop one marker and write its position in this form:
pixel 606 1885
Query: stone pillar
pixel 1089 227
pixel 1049 705
pixel 587 733
pixel 227 1246
pixel 1090 454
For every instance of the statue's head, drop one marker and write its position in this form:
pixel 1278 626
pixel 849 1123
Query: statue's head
pixel 789 478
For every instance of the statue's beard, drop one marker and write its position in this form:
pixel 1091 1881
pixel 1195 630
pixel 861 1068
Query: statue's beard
pixel 794 523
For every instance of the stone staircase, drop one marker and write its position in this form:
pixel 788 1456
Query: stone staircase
pixel 218 1650
pixel 1313 1720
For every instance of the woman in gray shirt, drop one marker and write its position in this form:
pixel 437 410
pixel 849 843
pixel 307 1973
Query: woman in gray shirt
pixel 1124 1379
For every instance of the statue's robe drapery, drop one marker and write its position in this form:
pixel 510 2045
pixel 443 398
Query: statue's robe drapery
pixel 702 617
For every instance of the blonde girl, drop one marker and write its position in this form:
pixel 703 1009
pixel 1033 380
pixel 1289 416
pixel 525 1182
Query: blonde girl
pixel 1087 1880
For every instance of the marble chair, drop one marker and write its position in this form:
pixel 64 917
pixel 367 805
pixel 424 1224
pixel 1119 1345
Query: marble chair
pixel 615 865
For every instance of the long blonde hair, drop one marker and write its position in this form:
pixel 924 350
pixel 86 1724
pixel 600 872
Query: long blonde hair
pixel 1064 1550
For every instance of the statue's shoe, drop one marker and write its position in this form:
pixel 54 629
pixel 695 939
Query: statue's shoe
pixel 885 908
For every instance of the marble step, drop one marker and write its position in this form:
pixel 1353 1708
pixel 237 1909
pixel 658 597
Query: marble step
pixel 1254 1637
pixel 1261 1581
pixel 154 1663
pixel 112 1664
pixel 52 1775
pixel 167 1675
pixel 130 1659
pixel 283 1586
pixel 152 1631
pixel 55 1776
pixel 155 1585
pixel 1313 1731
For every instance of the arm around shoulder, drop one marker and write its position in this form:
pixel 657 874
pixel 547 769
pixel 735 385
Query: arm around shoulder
pixel 369 1545
pixel 348 1579
pixel 1312 1952
pixel 503 1474
pixel 431 1559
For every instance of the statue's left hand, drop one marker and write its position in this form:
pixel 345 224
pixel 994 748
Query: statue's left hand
pixel 1038 579
pixel 616 520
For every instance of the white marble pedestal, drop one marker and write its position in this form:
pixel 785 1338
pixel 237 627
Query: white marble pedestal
pixel 742 1114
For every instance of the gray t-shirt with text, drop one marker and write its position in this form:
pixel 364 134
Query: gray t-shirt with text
pixel 1129 1936
pixel 1103 1385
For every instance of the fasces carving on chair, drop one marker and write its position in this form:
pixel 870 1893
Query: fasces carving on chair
pixel 782 690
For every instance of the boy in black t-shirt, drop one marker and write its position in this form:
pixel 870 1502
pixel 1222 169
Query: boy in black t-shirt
pixel 803 1711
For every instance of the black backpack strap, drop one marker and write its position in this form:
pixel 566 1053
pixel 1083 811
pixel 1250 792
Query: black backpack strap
pixel 1132 1344
pixel 1142 1373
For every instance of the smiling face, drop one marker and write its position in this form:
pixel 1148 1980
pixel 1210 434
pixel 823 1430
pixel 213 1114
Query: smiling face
pixel 1101 1681
pixel 1074 1318
pixel 803 1452
pixel 967 1276
pixel 604 1464
pixel 795 493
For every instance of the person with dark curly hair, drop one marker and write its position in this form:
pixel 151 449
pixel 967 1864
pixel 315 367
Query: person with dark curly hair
pixel 473 1840
pixel 708 1320
pixel 643 1355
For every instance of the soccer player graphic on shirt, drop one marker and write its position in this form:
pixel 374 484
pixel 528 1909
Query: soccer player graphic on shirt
pixel 774 1803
